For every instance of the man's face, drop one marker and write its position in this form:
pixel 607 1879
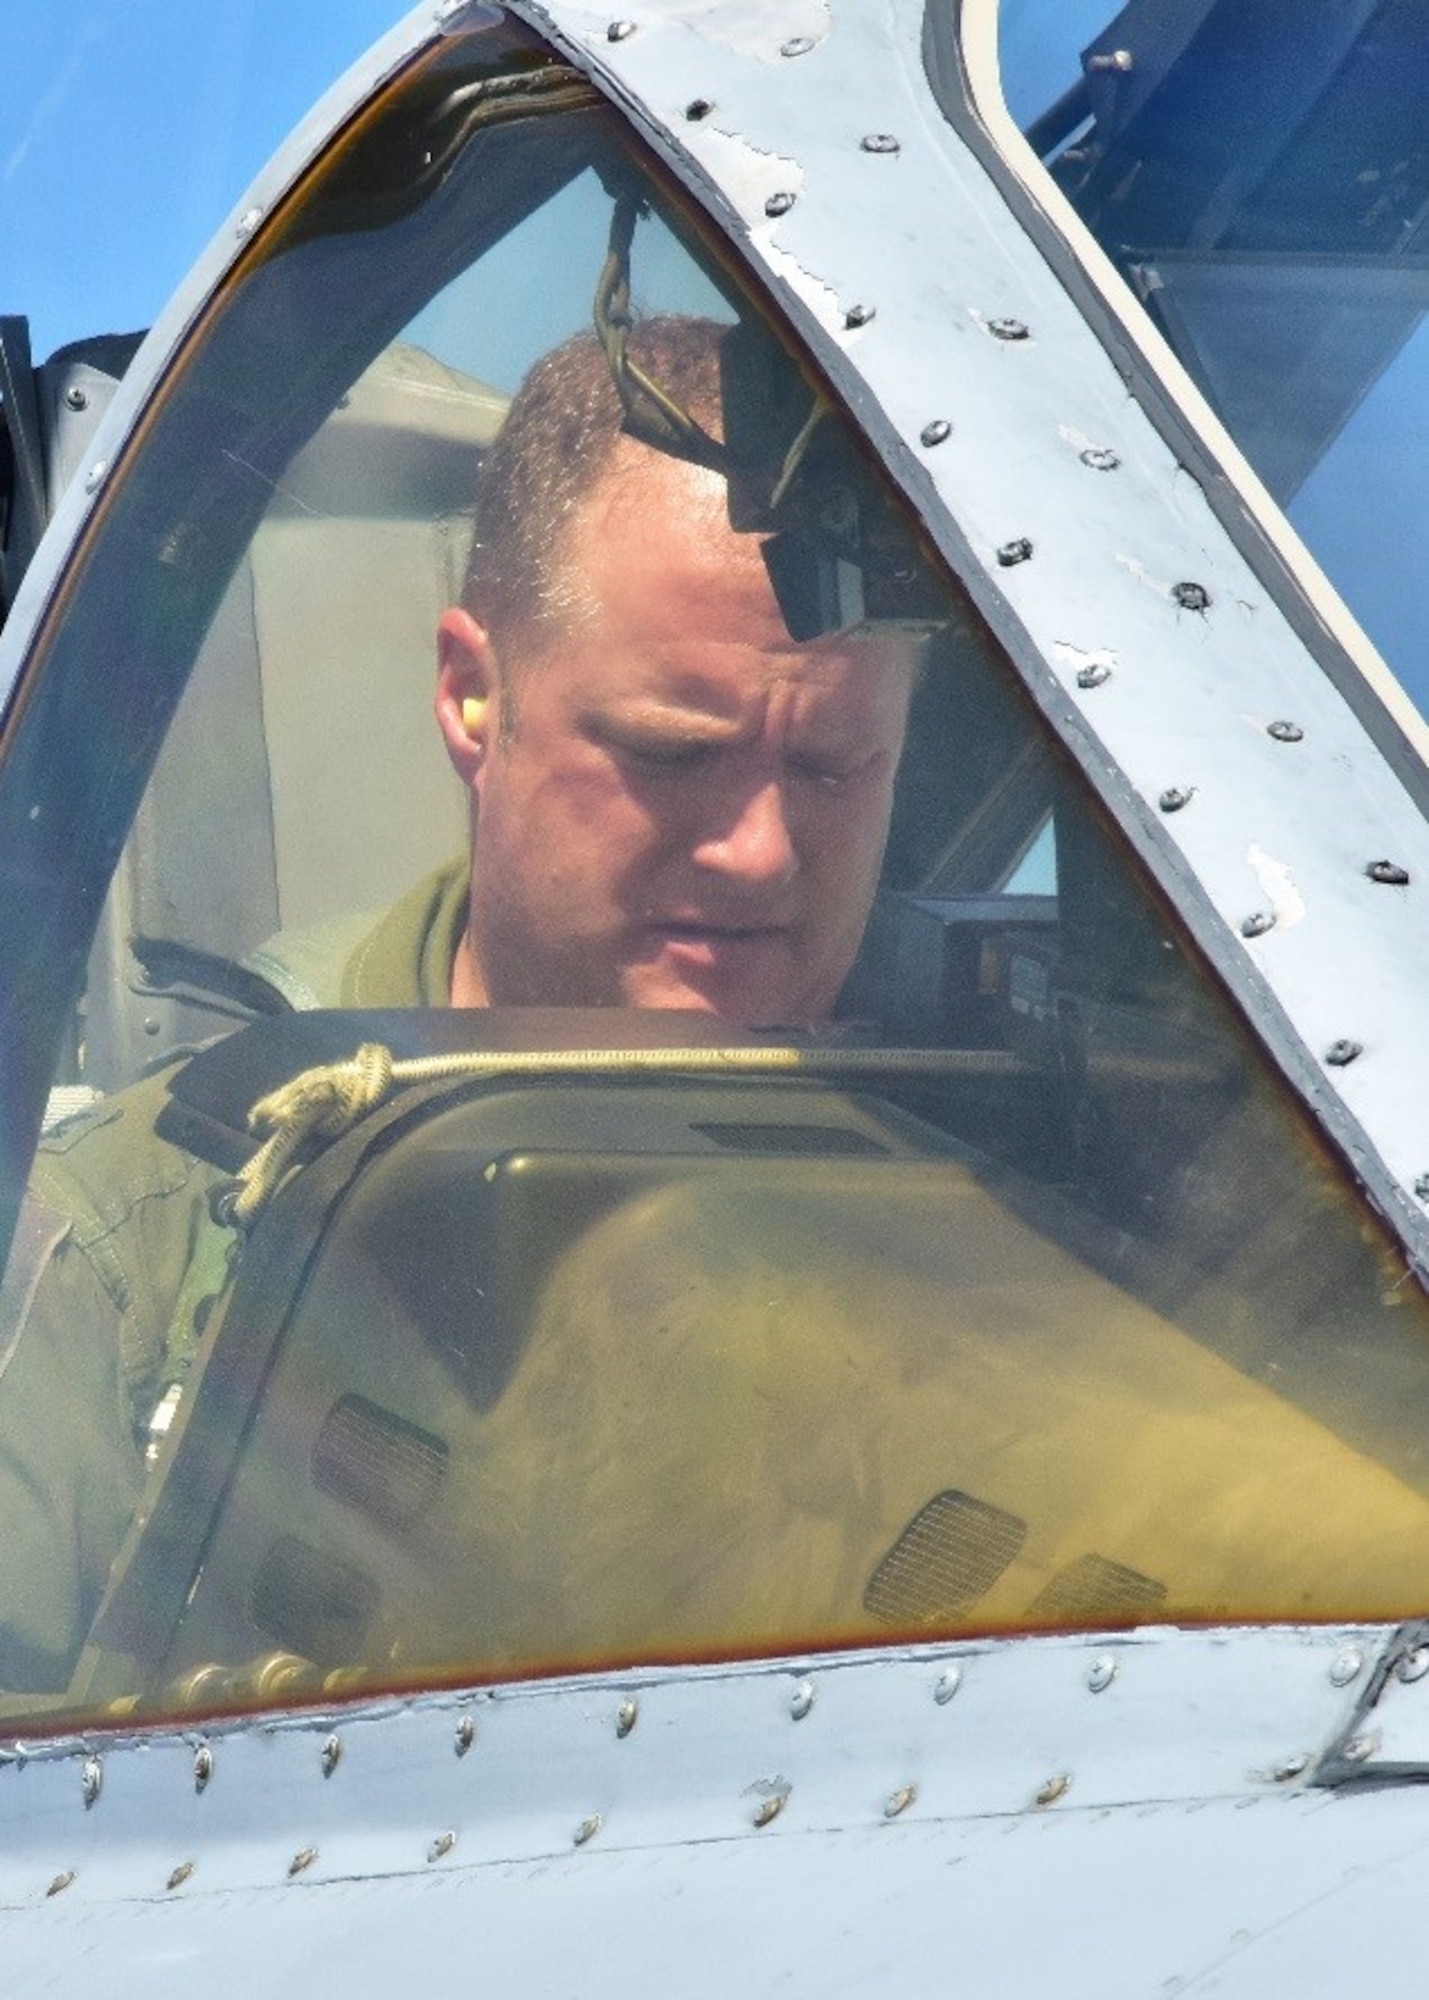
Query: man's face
pixel 689 809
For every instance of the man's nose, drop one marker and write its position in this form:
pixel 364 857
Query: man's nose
pixel 752 842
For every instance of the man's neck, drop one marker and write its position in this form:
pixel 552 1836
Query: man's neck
pixel 468 987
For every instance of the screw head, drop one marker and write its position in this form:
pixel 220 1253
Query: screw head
pixel 1414 1666
pixel 442 1845
pixel 1342 1053
pixel 76 398
pixel 1388 871
pixel 947 1685
pixel 1054 1789
pixel 698 108
pixel 223 1203
pixel 247 223
pixel 935 432
pixel 465 1734
pixel 797 45
pixel 619 30
pixel 1285 732
pixel 1014 552
pixel 879 142
pixel 304 1858
pixel 1346 1666
pixel 899 1801
pixel 91 1780
pixel 801 1700
pixel 203 1767
pixel 1009 329
pixel 1360 1749
pixel 770 1808
pixel 1175 797
pixel 859 315
pixel 1101 1673
pixel 1191 596
pixel 1421 1187
pixel 1257 924
pixel 626 1716
pixel 1099 458
pixel 1114 62
pixel 1093 676
pixel 331 1755
pixel 779 204
pixel 180 1875
pixel 94 478
pixel 587 1830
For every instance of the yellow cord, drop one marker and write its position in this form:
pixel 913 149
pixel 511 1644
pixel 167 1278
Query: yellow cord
pixel 318 1106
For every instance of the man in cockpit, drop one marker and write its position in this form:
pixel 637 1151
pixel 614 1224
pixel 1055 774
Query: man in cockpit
pixel 673 804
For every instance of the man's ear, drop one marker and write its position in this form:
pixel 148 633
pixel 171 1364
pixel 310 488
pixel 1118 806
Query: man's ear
pixel 468 701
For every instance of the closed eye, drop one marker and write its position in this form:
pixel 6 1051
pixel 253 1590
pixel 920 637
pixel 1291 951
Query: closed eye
pixel 828 771
pixel 663 754
pixel 655 752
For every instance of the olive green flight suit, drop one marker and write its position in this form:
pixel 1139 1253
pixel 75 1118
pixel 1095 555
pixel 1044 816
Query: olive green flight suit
pixel 116 1267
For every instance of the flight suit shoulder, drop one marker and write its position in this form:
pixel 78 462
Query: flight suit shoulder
pixel 132 1207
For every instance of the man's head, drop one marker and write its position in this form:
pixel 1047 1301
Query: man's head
pixel 674 805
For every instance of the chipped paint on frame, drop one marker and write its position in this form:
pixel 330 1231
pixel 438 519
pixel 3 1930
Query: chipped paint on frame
pixel 1153 1744
pixel 1034 426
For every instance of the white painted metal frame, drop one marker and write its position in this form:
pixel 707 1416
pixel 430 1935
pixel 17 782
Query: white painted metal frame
pixel 1079 1816
pixel 1071 1815
pixel 1135 335
pixel 904 269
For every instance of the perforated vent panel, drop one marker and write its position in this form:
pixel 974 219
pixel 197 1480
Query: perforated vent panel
pixel 1092 1587
pixel 949 1555
pixel 374 1460
pixel 313 1603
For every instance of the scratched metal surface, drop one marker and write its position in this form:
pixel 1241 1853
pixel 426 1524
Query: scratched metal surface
pixel 1157 688
pixel 1158 654
pixel 1235 488
pixel 1160 1832
pixel 1100 1815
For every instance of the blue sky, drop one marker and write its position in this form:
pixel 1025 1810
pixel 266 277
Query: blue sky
pixel 1041 43
pixel 129 128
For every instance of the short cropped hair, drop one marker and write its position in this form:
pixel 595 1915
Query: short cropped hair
pixel 554 447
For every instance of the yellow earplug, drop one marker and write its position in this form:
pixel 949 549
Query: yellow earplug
pixel 472 712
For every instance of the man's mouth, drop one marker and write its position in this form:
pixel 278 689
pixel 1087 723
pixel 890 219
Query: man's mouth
pixel 714 927
pixel 711 937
